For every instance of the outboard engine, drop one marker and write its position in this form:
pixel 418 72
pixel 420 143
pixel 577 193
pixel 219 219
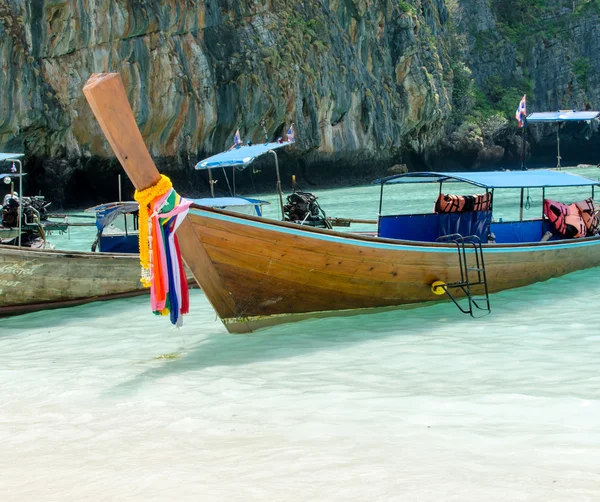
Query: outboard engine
pixel 38 202
pixel 10 212
pixel 303 208
pixel 34 210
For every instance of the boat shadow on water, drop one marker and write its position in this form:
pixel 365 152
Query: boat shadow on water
pixel 63 317
pixel 511 322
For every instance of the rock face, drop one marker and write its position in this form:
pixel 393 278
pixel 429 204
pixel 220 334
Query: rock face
pixel 366 83
pixel 550 52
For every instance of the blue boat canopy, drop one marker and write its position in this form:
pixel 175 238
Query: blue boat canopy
pixel 10 175
pixel 109 212
pixel 239 157
pixel 223 202
pixel 10 156
pixel 539 178
pixel 562 116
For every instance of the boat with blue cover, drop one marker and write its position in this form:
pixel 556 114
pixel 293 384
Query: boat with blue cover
pixel 300 207
pixel 258 272
pixel 117 222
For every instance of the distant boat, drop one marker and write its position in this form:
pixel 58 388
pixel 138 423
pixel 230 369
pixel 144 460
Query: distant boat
pixel 301 207
pixel 258 272
pixel 23 220
pixel 32 279
pixel 117 222
pixel 37 277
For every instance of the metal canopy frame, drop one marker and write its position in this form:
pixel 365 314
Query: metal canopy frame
pixel 558 118
pixel 240 157
pixel 569 180
pixel 15 158
pixel 537 178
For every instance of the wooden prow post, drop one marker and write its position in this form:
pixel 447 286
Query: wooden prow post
pixel 107 97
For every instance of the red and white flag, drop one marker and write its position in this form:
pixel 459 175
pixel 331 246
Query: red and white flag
pixel 521 112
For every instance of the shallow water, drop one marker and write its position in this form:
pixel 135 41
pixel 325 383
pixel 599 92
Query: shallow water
pixel 107 402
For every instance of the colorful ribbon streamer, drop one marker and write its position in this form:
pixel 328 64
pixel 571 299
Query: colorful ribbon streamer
pixel 161 212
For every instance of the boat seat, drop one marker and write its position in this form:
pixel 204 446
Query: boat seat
pixel 510 232
pixel 464 223
pixel 428 227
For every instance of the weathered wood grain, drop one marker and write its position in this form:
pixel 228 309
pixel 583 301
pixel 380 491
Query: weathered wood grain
pixel 33 280
pixel 107 98
pixel 273 275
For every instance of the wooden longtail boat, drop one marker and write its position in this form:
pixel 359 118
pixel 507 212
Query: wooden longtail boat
pixel 39 278
pixel 32 280
pixel 258 272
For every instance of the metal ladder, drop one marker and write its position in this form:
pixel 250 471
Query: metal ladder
pixel 470 276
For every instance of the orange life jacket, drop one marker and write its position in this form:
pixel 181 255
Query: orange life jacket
pixel 566 220
pixel 448 203
pixel 482 201
pixel 589 215
pixel 575 220
pixel 556 212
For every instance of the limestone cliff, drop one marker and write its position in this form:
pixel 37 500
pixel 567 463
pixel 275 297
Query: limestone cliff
pixel 548 49
pixel 366 83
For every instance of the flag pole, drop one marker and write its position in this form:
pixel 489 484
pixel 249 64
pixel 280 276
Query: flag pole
pixel 558 146
pixel 523 168
pixel 521 116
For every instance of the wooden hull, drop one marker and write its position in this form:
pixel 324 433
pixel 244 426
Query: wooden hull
pixel 273 272
pixel 33 280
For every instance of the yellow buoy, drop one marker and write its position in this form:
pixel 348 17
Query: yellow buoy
pixel 437 287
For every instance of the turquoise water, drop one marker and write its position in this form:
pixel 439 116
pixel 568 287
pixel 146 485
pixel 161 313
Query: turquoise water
pixel 107 402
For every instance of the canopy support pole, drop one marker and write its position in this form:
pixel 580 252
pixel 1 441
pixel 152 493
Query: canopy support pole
pixel 20 196
pixel 523 168
pixel 211 183
pixel 558 146
pixel 489 195
pixel 233 180
pixel 227 180
pixel 380 208
pixel 543 199
pixel 521 205
pixel 278 184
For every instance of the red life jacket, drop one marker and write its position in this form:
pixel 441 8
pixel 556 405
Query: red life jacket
pixel 566 220
pixel 556 212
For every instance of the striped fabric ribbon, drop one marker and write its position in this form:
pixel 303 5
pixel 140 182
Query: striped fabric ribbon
pixel 169 287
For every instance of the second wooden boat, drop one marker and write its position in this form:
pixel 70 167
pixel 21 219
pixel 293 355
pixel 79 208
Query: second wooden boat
pixel 32 280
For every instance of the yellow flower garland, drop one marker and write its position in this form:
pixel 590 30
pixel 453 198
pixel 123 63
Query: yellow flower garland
pixel 144 198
